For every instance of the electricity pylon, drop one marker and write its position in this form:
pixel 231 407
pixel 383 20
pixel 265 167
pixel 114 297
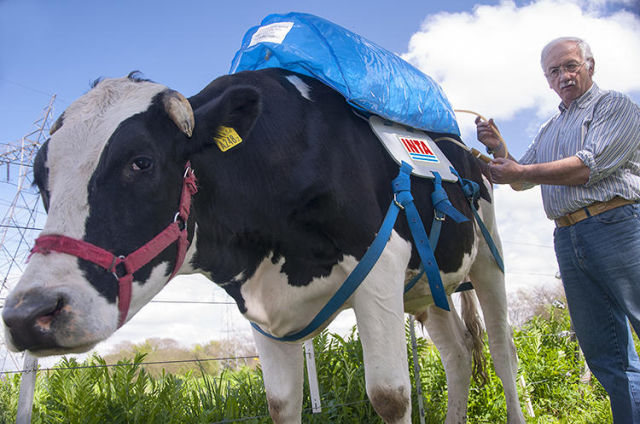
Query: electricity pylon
pixel 22 214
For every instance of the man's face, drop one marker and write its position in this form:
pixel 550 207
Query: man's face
pixel 567 72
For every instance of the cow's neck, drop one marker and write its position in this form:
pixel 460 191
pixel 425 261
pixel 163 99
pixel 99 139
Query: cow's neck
pixel 226 258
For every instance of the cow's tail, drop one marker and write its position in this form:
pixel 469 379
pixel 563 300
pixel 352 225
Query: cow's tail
pixel 475 328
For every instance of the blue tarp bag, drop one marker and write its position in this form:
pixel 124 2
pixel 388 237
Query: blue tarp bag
pixel 369 77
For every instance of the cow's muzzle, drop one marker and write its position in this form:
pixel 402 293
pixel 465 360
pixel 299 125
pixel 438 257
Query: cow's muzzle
pixel 31 318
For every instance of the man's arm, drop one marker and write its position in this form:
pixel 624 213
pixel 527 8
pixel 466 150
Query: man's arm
pixel 567 171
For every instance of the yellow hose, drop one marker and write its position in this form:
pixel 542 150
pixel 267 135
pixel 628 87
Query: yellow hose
pixel 474 152
pixel 493 127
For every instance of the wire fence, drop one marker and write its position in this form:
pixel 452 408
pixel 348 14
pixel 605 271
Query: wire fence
pixel 128 364
pixel 196 360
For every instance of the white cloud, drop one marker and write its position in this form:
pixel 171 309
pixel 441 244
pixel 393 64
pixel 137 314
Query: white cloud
pixel 489 59
pixel 527 238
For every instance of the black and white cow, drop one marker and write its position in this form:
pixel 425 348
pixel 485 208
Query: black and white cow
pixel 279 221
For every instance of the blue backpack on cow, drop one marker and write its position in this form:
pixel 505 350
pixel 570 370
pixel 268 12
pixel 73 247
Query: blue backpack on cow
pixel 371 78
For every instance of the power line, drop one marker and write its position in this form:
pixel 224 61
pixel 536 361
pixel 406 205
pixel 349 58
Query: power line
pixel 128 364
pixel 27 87
pixel 19 227
pixel 534 274
pixel 183 302
pixel 194 302
pixel 528 243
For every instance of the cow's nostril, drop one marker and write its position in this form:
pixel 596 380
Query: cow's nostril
pixel 30 315
pixel 44 321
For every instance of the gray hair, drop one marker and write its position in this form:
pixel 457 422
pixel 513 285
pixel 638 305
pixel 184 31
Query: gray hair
pixel 584 47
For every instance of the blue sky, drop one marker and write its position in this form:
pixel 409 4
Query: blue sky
pixel 59 47
pixel 484 53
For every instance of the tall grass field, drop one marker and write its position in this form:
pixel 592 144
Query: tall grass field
pixel 91 392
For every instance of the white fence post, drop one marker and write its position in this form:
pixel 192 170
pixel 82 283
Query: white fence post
pixel 27 389
pixel 527 397
pixel 416 368
pixel 312 374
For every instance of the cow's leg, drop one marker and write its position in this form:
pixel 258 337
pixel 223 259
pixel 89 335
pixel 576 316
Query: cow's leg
pixel 488 281
pixel 379 310
pixel 491 295
pixel 449 334
pixel 282 369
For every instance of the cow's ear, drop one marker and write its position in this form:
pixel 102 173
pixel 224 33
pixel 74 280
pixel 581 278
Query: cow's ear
pixel 231 115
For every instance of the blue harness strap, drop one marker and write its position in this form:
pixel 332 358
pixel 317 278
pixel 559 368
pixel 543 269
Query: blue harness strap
pixel 441 202
pixel 442 206
pixel 402 200
pixel 402 190
pixel 471 190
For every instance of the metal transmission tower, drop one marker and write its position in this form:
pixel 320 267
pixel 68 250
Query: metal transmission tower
pixel 22 213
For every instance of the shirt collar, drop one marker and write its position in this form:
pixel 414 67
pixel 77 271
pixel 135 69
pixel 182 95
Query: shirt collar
pixel 585 100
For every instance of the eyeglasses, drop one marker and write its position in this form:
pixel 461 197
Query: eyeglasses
pixel 571 67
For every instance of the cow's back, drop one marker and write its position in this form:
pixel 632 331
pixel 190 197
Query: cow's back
pixel 312 183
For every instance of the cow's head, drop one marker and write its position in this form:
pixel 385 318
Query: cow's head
pixel 110 176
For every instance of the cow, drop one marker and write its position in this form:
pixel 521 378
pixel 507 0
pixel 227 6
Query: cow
pixel 292 187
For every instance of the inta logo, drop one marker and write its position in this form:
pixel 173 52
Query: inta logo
pixel 418 149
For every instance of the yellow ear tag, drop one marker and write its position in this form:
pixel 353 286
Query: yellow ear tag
pixel 227 138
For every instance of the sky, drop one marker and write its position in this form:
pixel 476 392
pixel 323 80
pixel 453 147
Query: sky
pixel 485 54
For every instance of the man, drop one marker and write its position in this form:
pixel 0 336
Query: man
pixel 587 161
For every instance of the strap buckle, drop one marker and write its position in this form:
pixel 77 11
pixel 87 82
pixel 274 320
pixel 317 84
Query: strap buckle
pixel 117 260
pixel 395 200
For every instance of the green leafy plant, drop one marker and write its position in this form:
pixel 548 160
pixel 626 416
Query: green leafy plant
pixel 9 390
pixel 92 392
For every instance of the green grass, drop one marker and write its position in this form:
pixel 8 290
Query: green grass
pixel 129 394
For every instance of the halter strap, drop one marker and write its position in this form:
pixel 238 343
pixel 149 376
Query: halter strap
pixel 174 232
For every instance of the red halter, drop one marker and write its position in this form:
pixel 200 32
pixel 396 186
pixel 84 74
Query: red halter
pixel 176 231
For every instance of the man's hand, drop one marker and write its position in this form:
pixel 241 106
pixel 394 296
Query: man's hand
pixel 487 135
pixel 505 171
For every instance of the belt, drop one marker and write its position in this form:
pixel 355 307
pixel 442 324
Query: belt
pixel 593 209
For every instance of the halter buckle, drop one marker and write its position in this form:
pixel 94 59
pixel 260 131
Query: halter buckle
pixel 117 260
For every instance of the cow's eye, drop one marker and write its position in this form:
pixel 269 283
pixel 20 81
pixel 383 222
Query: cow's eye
pixel 141 163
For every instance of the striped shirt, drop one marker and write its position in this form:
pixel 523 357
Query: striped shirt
pixel 602 128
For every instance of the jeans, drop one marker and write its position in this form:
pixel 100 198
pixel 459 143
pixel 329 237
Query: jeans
pixel 599 261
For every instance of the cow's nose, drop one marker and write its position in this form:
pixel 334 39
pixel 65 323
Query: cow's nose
pixel 30 316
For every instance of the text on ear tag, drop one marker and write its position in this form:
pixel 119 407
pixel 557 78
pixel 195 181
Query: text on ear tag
pixel 227 138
